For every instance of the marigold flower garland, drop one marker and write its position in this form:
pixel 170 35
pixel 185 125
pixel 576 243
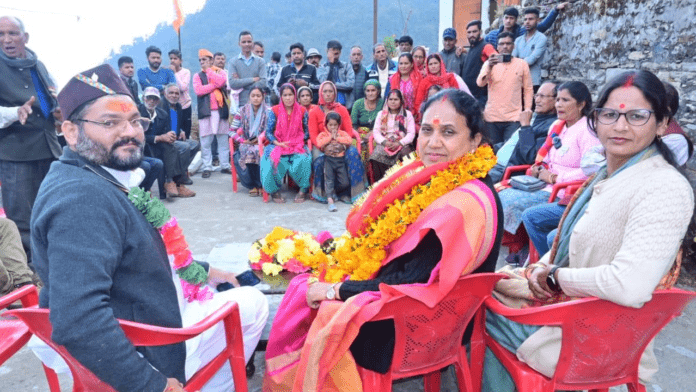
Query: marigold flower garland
pixel 192 275
pixel 359 256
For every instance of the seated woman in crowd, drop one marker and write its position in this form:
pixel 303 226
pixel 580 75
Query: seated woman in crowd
pixel 562 162
pixel 317 119
pixel 437 243
pixel 247 125
pixel 419 54
pixel 618 240
pixel 364 113
pixel 407 80
pixel 436 74
pixel 287 152
pixel 393 134
pixel 305 97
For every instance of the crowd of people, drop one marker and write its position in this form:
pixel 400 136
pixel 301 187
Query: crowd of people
pixel 101 249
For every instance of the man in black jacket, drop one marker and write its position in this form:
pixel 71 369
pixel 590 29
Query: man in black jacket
pixel 28 139
pixel 163 143
pixel 523 146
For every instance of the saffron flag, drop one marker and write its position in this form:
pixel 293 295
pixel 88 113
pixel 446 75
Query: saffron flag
pixel 179 21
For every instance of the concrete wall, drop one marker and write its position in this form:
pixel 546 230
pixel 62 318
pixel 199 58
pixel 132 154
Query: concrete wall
pixel 594 40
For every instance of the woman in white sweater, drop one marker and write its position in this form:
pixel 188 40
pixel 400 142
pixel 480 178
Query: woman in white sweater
pixel 617 241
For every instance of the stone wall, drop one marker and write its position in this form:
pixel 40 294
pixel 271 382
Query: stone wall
pixel 594 40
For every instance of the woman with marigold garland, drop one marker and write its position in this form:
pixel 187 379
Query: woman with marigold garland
pixel 431 220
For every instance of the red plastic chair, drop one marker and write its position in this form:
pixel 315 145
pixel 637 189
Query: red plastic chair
pixel 147 335
pixel 233 166
pixel 14 334
pixel 515 242
pixel 602 341
pixel 262 143
pixel 428 340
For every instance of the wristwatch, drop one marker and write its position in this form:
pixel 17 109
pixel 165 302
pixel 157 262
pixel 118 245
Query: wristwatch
pixel 331 294
pixel 551 280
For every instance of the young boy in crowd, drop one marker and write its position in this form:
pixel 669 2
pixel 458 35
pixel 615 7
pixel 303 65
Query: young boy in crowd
pixel 334 142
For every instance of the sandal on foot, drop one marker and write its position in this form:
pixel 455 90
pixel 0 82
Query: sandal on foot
pixel 301 197
pixel 277 198
pixel 254 192
pixel 332 207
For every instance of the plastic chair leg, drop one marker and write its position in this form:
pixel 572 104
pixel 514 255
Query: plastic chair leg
pixel 52 378
pixel 375 382
pixel 431 382
pixel 463 374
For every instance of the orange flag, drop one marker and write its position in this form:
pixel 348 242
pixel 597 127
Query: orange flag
pixel 179 21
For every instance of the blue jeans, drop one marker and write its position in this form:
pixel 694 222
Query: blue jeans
pixel 539 221
pixel 20 185
pixel 154 170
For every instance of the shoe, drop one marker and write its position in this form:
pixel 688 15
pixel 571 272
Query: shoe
pixel 206 174
pixel 226 171
pixel 186 180
pixel 254 192
pixel 185 192
pixel 332 207
pixel 170 188
pixel 216 162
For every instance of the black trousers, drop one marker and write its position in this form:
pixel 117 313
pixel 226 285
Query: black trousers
pixel 500 132
pixel 20 183
pixel 186 121
pixel 335 176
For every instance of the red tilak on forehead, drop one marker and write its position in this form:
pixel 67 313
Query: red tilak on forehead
pixel 623 105
pixel 629 81
pixel 123 107
pixel 436 121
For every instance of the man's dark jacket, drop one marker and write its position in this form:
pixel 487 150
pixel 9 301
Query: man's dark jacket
pixel 100 260
pixel 37 138
pixel 531 139
pixel 159 126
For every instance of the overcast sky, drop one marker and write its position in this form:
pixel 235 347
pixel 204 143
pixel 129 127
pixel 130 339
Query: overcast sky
pixel 68 45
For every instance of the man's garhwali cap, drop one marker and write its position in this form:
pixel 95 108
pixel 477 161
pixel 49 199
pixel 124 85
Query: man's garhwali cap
pixel 90 85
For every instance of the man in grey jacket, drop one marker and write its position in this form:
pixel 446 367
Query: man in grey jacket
pixel 247 70
pixel 339 73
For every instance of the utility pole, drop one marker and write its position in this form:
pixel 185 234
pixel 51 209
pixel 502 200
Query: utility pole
pixel 374 23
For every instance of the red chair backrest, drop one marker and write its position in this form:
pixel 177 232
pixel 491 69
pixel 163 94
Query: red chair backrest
pixel 39 324
pixel 428 339
pixel 603 341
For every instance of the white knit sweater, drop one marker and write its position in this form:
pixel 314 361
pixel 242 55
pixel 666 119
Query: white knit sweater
pixel 621 248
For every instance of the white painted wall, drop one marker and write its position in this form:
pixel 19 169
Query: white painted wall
pixel 446 19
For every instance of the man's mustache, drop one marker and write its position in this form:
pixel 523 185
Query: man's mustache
pixel 123 142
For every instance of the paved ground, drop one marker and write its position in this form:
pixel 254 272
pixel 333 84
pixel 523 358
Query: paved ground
pixel 219 217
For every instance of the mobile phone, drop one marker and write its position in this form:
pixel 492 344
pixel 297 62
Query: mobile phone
pixel 507 58
pixel 246 278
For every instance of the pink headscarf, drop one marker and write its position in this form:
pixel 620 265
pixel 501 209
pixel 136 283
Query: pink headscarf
pixel 288 128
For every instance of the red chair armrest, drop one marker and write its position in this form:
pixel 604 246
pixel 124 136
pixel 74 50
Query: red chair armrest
pixel 371 144
pixel 570 186
pixel 514 169
pixel 149 335
pixel 27 294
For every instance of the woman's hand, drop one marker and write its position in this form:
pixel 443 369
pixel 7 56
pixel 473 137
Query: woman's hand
pixel 216 276
pixel 537 283
pixel 534 170
pixel 547 176
pixel 317 293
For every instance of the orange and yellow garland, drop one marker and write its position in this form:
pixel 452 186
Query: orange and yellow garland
pixel 373 224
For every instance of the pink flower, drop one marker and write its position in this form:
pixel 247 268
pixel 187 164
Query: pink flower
pixel 323 236
pixel 293 265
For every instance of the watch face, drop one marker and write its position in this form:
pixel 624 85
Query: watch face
pixel 331 294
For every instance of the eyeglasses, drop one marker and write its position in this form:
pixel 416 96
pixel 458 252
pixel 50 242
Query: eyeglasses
pixel 544 96
pixel 634 117
pixel 136 123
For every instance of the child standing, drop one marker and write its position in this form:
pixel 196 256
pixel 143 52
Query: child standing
pixel 334 142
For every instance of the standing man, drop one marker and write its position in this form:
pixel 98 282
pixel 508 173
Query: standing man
pixel 153 75
pixel 510 25
pixel 531 46
pixel 28 139
pixel 453 61
pixel 299 73
pixel 356 58
pixel 127 71
pixel 508 80
pixel 337 72
pixel 479 52
pixel 272 76
pixel 405 46
pixel 313 57
pixel 247 70
pixel 102 260
pixel 382 68
pixel 183 80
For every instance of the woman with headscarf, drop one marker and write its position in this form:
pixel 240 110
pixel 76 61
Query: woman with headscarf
pixel 407 80
pixel 436 74
pixel 247 125
pixel 419 54
pixel 364 114
pixel 356 170
pixel 393 134
pixel 286 153
pixel 305 97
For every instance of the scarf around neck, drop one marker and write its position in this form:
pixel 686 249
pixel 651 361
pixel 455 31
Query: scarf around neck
pixel 328 106
pixel 288 129
pixel 445 79
pixel 253 124
pixel 581 200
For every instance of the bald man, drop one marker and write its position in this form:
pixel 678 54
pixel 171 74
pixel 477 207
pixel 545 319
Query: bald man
pixel 28 116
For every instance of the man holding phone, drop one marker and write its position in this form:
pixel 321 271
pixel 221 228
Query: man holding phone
pixel 299 73
pixel 510 90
